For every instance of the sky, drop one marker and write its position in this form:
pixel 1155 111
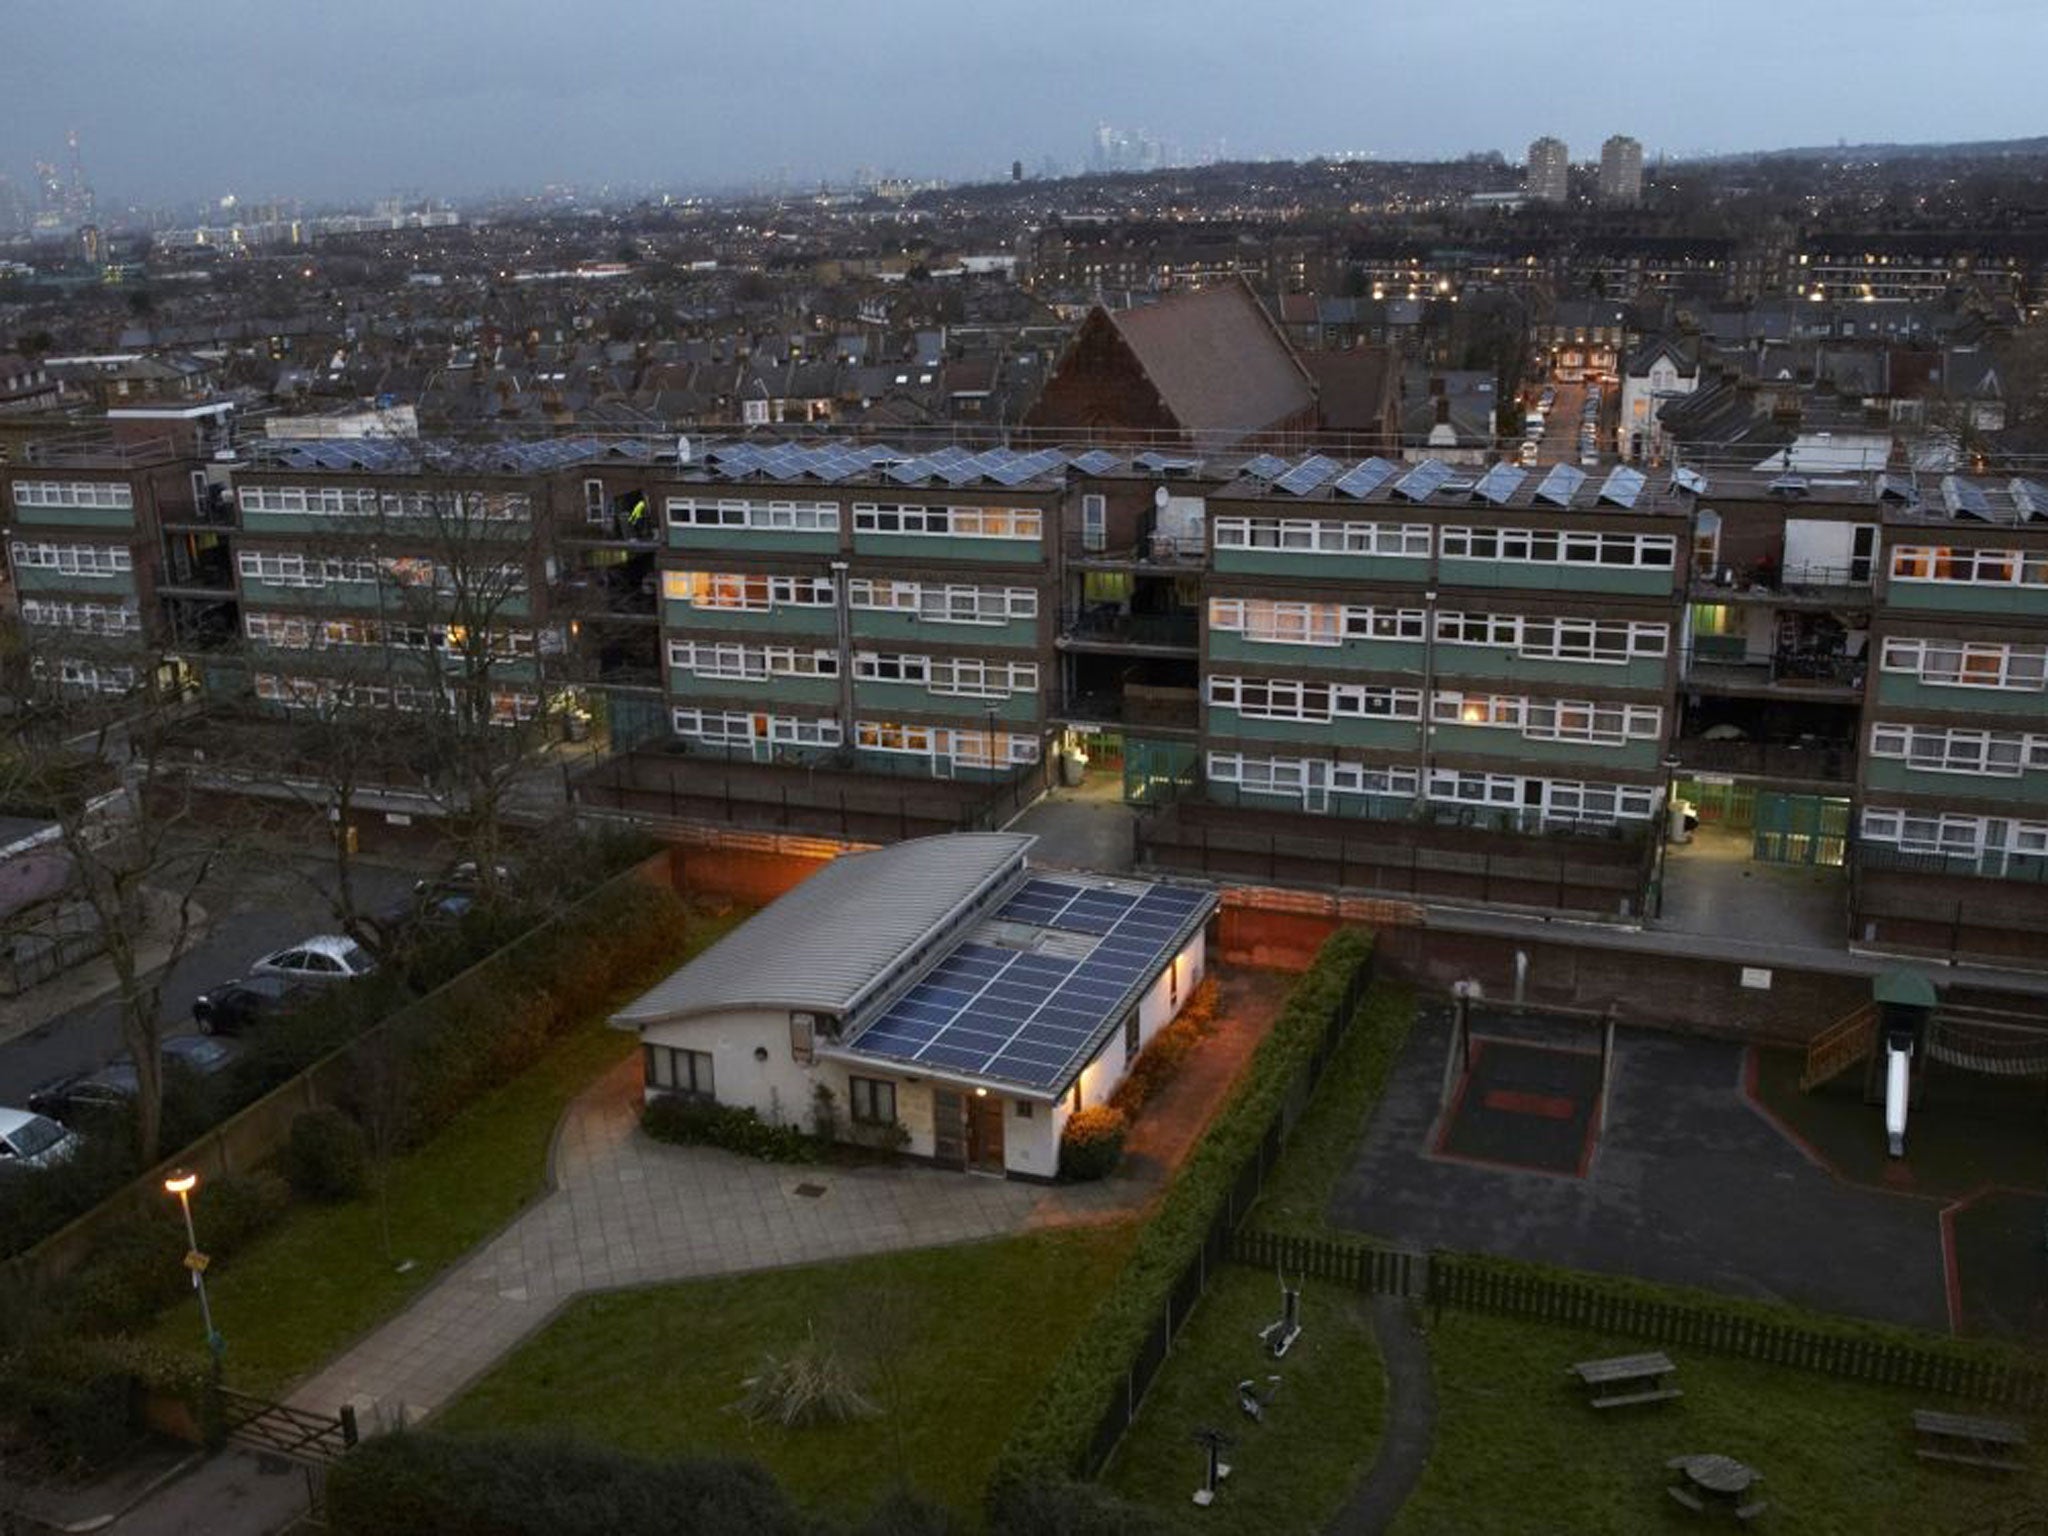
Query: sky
pixel 349 99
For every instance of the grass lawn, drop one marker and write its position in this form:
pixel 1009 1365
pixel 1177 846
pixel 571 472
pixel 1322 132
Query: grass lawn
pixel 953 1343
pixel 1290 1473
pixel 304 1291
pixel 1517 1452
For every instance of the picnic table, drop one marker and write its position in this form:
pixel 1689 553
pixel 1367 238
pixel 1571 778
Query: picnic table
pixel 1968 1441
pixel 1718 1480
pixel 1626 1379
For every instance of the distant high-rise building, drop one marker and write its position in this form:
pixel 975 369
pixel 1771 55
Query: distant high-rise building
pixel 1549 178
pixel 1621 171
pixel 1016 170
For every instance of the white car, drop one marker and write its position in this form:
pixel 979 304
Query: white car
pixel 29 1140
pixel 324 957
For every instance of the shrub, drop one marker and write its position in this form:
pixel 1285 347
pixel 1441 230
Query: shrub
pixel 74 1403
pixel 1093 1143
pixel 811 1384
pixel 1051 1439
pixel 414 1481
pixel 688 1122
pixel 1059 1508
pixel 327 1157
pixel 1166 1051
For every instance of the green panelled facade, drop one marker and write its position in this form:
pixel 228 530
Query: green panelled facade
pixel 754 541
pixel 31 578
pixel 791 619
pixel 1308 565
pixel 920 548
pixel 1590 759
pixel 879 624
pixel 1343 730
pixel 1494 664
pixel 2029 789
pixel 1609 580
pixel 755 692
pixel 1964 597
pixel 1362 656
pixel 75 517
pixel 892 700
pixel 1896 690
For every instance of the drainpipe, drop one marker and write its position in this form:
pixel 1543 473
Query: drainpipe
pixel 1426 727
pixel 842 614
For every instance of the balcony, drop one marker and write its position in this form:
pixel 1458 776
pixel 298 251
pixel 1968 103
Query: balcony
pixel 1805 674
pixel 1106 627
pixel 615 528
pixel 213 511
pixel 1806 758
pixel 1152 551
pixel 614 593
pixel 1799 585
pixel 1136 706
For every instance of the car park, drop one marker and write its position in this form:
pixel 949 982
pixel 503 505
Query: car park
pixel 236 1006
pixel 31 1140
pixel 323 957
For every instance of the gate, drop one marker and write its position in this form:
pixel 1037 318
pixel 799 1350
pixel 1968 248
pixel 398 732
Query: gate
pixel 312 1441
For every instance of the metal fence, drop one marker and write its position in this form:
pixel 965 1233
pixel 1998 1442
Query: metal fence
pixel 1844 1350
pixel 1217 1242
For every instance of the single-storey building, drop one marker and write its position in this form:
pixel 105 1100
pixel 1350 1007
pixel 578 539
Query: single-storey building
pixel 937 985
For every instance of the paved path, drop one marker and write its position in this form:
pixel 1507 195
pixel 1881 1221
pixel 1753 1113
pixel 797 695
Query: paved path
pixel 629 1211
pixel 1411 1421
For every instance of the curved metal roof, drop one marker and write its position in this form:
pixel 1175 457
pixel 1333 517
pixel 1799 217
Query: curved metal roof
pixel 825 945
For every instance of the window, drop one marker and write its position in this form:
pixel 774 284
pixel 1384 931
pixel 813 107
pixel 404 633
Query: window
pixel 730 660
pixel 871 1101
pixel 1968 663
pixel 1552 800
pixel 754 516
pixel 1094 522
pixel 1977 567
pixel 93 561
pixel 81 618
pixel 949 522
pixel 943 604
pixel 803 1037
pixel 1546 546
pixel 742 593
pixel 1024 1109
pixel 1286 698
pixel 1324 536
pixel 595 508
pixel 74 493
pixel 1989 754
pixel 1130 1037
pixel 1606 641
pixel 1551 719
pixel 1290 777
pixel 674 1070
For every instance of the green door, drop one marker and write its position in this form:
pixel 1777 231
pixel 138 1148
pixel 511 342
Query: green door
pixel 1156 771
pixel 1801 829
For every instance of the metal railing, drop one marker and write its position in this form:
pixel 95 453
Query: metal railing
pixel 1110 625
pixel 1770 759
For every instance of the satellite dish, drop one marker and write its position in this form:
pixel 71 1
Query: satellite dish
pixel 682 450
pixel 1160 497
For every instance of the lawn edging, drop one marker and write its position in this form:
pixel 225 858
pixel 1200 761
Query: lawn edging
pixel 1093 1390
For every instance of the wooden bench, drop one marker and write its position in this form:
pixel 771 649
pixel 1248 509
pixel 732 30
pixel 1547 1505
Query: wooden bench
pixel 1966 1441
pixel 1626 1380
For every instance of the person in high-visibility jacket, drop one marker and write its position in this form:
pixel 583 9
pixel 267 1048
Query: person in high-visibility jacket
pixel 636 519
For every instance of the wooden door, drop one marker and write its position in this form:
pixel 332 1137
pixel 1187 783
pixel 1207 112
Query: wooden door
pixel 985 1134
pixel 949 1128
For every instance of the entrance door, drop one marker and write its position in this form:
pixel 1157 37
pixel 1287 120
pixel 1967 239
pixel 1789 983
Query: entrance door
pixel 949 1128
pixel 984 1134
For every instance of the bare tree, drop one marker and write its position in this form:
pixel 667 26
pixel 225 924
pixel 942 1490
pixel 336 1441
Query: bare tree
pixel 110 774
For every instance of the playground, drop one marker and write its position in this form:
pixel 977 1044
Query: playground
pixel 1699 1162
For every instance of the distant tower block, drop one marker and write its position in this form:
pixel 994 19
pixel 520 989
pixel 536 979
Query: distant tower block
pixel 1621 172
pixel 1549 177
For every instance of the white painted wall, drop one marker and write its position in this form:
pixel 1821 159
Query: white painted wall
pixel 1814 542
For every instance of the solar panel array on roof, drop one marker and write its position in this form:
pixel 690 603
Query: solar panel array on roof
pixel 1965 500
pixel 1306 476
pixel 1424 480
pixel 2031 498
pixel 1363 479
pixel 1899 488
pixel 1265 467
pixel 1622 486
pixel 1690 480
pixel 1031 1018
pixel 1166 463
pixel 1499 483
pixel 1561 485
pixel 1096 461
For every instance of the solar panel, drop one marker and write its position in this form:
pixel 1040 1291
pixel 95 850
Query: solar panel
pixel 1096 461
pixel 1963 499
pixel 1265 467
pixel 1622 486
pixel 1166 463
pixel 1689 480
pixel 1423 481
pixel 2030 497
pixel 1499 483
pixel 1561 485
pixel 1027 1016
pixel 1362 480
pixel 1307 475
pixel 1900 488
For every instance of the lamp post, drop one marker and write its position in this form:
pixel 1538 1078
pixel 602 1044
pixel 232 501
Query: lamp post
pixel 181 1183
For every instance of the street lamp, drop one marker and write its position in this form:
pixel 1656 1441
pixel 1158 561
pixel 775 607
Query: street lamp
pixel 181 1182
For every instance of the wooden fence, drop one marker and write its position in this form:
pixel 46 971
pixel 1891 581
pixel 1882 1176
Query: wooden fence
pixel 1844 1350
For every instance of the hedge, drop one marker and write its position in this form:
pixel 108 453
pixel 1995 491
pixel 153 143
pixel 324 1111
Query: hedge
pixel 687 1122
pixel 77 1403
pixel 1093 1143
pixel 1052 1438
pixel 406 1483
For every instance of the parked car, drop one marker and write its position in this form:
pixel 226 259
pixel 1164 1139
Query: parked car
pixel 235 1006
pixel 433 904
pixel 323 957
pixel 83 1095
pixel 31 1140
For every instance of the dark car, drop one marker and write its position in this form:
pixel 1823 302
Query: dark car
pixel 235 1006
pixel 85 1095
pixel 433 904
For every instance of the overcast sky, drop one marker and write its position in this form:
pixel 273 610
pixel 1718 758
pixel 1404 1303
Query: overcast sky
pixel 352 98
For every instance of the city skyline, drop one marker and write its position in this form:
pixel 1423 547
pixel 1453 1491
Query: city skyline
pixel 339 107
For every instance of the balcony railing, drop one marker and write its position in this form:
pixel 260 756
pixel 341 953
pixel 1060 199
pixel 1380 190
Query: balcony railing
pixel 1791 670
pixel 1826 760
pixel 1110 625
pixel 1161 549
pixel 1993 864
pixel 1136 704
pixel 1801 579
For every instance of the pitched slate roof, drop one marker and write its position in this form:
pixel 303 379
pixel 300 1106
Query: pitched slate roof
pixel 1216 359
